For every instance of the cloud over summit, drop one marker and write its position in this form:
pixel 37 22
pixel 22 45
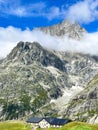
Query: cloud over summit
pixel 10 36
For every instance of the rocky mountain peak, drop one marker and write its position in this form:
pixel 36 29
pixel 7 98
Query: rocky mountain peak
pixel 28 53
pixel 24 47
pixel 27 45
pixel 72 30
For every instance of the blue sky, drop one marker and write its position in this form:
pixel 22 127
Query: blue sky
pixel 34 13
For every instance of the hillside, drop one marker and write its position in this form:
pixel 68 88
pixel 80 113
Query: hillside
pixel 84 106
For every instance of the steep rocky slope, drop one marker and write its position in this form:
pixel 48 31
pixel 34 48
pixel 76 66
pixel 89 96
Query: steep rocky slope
pixel 34 80
pixel 84 106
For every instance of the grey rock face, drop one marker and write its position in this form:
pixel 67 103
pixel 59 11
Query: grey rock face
pixel 84 106
pixel 40 76
pixel 27 53
pixel 74 31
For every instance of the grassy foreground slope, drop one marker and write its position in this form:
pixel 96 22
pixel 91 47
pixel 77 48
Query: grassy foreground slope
pixel 12 125
pixel 77 126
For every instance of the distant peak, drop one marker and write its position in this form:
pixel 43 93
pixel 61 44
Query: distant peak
pixel 72 30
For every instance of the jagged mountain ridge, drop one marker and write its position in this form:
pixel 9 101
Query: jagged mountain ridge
pixel 43 76
pixel 72 30
pixel 28 53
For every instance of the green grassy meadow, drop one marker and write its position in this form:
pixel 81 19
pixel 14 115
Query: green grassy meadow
pixel 13 125
pixel 77 126
pixel 16 125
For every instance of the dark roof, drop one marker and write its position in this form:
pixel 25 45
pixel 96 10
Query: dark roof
pixel 34 120
pixel 52 121
pixel 57 121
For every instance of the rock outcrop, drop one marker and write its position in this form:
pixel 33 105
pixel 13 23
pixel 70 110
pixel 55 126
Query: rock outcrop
pixel 84 106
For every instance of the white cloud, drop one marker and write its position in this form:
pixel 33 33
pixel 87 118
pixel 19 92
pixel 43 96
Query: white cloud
pixel 83 12
pixel 53 12
pixel 10 36
pixel 34 10
pixel 19 11
pixel 16 8
pixel 29 10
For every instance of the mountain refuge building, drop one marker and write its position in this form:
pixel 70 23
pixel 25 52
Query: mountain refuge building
pixel 47 122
